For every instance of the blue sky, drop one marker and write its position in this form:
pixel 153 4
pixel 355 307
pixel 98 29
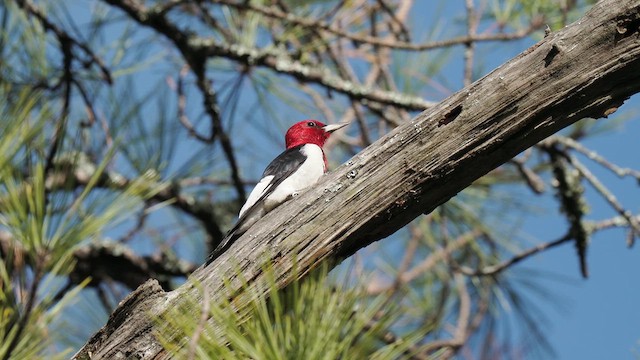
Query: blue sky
pixel 600 316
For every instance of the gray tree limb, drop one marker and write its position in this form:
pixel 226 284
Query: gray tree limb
pixel 587 69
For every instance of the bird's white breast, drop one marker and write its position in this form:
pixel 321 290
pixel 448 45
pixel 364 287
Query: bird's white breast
pixel 306 175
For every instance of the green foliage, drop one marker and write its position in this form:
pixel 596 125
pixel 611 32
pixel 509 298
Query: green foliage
pixel 23 318
pixel 42 221
pixel 310 319
pixel 520 13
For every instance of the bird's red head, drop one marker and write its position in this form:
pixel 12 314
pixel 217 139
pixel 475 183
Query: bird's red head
pixel 309 132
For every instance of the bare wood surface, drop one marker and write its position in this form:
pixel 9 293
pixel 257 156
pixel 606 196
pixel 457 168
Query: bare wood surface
pixel 587 69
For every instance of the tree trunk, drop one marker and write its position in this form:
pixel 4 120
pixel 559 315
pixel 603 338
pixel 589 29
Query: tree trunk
pixel 587 69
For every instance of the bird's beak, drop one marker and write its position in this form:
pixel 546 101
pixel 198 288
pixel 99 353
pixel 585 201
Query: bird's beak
pixel 333 127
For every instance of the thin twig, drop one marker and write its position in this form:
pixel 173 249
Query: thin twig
pixel 462 324
pixel 104 299
pixel 195 56
pixel 28 308
pixel 393 44
pixel 535 182
pixel 182 108
pixel 429 262
pixel 407 258
pixel 593 155
pixel 614 222
pixel 320 102
pixel 472 25
pixel 91 113
pixel 608 196
pixel 494 269
pixel 32 9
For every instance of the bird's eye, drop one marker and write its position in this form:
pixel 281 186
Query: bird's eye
pixel 311 124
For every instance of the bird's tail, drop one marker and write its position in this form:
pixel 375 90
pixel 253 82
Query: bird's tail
pixel 226 242
pixel 247 220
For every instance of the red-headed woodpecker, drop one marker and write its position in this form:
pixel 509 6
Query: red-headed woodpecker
pixel 297 168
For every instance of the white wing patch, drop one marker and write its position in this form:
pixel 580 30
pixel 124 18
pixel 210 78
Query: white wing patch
pixel 304 176
pixel 256 193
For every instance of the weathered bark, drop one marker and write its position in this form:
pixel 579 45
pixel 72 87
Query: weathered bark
pixel 587 69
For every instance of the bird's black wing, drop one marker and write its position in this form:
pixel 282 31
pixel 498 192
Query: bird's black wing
pixel 280 168
pixel 286 163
